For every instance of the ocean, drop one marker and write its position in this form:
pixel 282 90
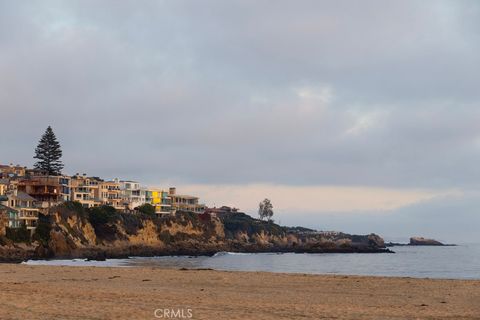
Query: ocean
pixel 455 262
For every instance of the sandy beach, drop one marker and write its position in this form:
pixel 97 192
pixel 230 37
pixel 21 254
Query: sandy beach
pixel 45 292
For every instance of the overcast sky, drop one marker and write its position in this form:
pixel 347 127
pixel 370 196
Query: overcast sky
pixel 353 115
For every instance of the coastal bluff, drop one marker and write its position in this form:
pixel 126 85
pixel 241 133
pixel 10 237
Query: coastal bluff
pixel 71 231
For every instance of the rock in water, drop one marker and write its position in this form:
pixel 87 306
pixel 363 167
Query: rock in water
pixel 420 241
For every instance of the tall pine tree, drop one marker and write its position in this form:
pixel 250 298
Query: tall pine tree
pixel 48 153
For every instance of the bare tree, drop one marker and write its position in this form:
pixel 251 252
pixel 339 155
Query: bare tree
pixel 265 210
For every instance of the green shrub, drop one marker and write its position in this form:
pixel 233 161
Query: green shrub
pixel 131 222
pixel 73 206
pixel 21 234
pixel 240 222
pixel 147 209
pixel 102 215
pixel 42 231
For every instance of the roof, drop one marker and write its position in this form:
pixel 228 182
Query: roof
pixel 182 196
pixel 7 208
pixel 22 196
pixel 111 181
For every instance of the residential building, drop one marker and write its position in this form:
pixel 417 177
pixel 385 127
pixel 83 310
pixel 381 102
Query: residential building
pixel 185 202
pixel 221 211
pixel 86 190
pixel 133 196
pixel 32 172
pixel 160 200
pixel 4 183
pixel 111 195
pixel 9 171
pixel 47 190
pixel 8 216
pixel 27 209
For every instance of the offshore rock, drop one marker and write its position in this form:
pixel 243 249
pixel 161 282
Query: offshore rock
pixel 420 241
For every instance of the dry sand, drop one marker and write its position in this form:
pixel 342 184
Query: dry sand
pixel 45 292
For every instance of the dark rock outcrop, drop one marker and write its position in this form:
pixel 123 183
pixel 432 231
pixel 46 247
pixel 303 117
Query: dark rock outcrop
pixel 420 241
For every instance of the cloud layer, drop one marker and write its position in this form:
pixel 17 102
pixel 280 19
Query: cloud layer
pixel 305 93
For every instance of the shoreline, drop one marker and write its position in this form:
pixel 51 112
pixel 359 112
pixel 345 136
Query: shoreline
pixel 100 253
pixel 36 292
pixel 178 268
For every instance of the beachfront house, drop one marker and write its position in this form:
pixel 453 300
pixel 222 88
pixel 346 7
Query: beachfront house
pixel 86 190
pixel 47 190
pixel 110 194
pixel 8 216
pixel 185 202
pixel 132 194
pixel 160 200
pixel 11 171
pixel 4 183
pixel 27 209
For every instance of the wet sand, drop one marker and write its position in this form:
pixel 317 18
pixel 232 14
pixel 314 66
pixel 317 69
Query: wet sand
pixel 45 292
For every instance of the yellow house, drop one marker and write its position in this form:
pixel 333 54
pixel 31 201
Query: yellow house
pixel 160 200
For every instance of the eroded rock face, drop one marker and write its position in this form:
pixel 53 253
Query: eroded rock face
pixel 3 222
pixel 420 241
pixel 73 235
pixel 376 240
pixel 59 245
pixel 12 253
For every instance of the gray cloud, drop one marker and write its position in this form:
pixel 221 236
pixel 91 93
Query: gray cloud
pixel 304 93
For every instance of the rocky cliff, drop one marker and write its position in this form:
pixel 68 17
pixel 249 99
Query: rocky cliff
pixel 74 232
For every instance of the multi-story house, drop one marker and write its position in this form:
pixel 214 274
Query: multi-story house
pixel 8 216
pixel 160 200
pixel 86 190
pixel 27 209
pixel 221 211
pixel 9 171
pixel 111 195
pixel 133 196
pixel 4 183
pixel 47 190
pixel 185 202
